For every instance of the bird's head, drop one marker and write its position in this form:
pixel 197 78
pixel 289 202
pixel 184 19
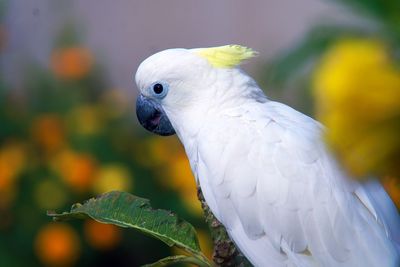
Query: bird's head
pixel 173 79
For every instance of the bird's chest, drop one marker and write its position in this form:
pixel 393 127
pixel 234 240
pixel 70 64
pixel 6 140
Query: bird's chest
pixel 212 164
pixel 202 175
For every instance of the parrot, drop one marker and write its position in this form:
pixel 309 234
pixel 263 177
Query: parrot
pixel 263 167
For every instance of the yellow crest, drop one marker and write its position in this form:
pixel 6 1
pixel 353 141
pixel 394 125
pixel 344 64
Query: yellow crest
pixel 226 56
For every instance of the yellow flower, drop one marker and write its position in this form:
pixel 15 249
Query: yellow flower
pixel 175 172
pixel 86 120
pixel 205 242
pixel 102 236
pixel 12 160
pixel 156 151
pixel 113 177
pixel 57 244
pixel 71 63
pixel 357 91
pixel 162 150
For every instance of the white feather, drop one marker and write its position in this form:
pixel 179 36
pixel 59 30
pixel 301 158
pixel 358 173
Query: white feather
pixel 287 193
pixel 266 174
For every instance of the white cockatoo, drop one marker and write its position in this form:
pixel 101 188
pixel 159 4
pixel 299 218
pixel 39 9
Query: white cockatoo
pixel 262 166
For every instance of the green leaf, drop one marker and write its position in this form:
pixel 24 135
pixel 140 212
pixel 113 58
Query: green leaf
pixel 175 259
pixel 126 210
pixel 385 12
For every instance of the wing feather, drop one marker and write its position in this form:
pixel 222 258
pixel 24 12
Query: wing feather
pixel 277 189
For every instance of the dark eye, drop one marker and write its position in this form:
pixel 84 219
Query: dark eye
pixel 158 88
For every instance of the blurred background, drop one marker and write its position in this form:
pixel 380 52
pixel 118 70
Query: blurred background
pixel 68 130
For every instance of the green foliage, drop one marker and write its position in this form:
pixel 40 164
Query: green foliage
pixel 312 45
pixel 126 210
pixel 290 72
pixel 385 11
pixel 174 259
pixel 63 140
pixel 385 14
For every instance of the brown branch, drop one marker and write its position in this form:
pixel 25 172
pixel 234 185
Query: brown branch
pixel 225 251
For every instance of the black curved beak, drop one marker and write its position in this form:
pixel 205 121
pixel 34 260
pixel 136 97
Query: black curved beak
pixel 152 116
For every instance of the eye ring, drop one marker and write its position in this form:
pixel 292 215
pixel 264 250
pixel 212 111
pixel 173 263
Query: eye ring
pixel 159 89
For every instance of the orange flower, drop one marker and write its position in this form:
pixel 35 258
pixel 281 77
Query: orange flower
pixel 169 154
pixel 206 243
pixel 77 170
pixel 6 176
pixel 392 187
pixel 191 202
pixel 181 174
pixel 182 180
pixel 57 244
pixel 48 132
pixel 12 159
pixel 71 63
pixel 102 236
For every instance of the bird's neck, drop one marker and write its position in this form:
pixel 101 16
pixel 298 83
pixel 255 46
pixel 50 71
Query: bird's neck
pixel 229 91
